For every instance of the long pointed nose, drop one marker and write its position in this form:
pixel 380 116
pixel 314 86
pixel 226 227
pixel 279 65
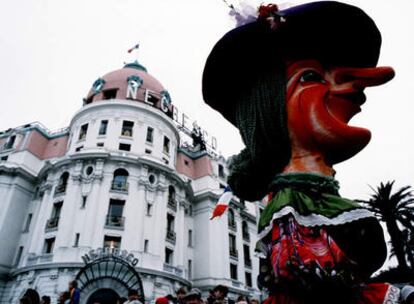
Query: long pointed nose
pixel 365 77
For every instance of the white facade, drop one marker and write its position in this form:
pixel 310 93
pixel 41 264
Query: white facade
pixel 118 178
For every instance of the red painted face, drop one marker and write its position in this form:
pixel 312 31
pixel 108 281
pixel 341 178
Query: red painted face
pixel 320 103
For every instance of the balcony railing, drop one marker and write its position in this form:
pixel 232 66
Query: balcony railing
pixel 246 236
pixel 52 223
pixel 248 263
pixel 170 236
pixel 172 204
pixel 60 189
pixel 119 186
pixel 232 225
pixel 234 254
pixel 115 221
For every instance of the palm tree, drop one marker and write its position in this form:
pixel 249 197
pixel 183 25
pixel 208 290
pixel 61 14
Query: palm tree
pixel 395 210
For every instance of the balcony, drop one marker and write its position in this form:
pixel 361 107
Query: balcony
pixel 52 224
pixel 113 221
pixel 170 236
pixel 172 269
pixel 172 204
pixel 119 186
pixel 248 263
pixel 246 236
pixel 60 190
pixel 234 254
pixel 232 225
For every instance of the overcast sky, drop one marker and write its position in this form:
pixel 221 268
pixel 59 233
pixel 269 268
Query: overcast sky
pixel 52 52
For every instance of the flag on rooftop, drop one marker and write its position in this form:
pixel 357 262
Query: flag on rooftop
pixel 223 203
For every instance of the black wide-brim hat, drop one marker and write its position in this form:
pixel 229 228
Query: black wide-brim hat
pixel 331 32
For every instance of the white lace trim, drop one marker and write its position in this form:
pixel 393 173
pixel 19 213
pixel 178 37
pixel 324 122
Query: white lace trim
pixel 313 219
pixel 392 296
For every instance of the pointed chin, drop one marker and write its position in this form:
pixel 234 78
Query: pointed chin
pixel 322 124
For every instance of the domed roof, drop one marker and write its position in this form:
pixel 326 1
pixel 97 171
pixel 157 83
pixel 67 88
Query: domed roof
pixel 132 82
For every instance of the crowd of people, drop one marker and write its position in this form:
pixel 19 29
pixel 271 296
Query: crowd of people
pixel 217 295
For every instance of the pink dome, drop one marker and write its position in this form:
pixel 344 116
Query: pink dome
pixel 114 85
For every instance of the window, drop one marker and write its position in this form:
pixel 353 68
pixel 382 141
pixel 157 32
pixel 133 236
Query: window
pixel 231 219
pixel 124 147
pixel 120 181
pixel 245 231
pixel 149 209
pixel 190 269
pixel 186 162
pixel 28 222
pixel 62 184
pixel 112 242
pixel 146 245
pixel 248 277
pixel 247 259
pixel 172 203
pixel 100 144
pixel 148 151
pixel 4 158
pixel 169 256
pixel 166 146
pixel 83 131
pixel 233 271
pixel 49 244
pixel 18 256
pixel 53 222
pixel 10 142
pixel 221 171
pixel 103 127
pixel 109 94
pixel 170 222
pixel 232 244
pixel 115 210
pixel 150 135
pixel 190 238
pixel 84 198
pixel 76 243
pixel 127 127
pixel 79 148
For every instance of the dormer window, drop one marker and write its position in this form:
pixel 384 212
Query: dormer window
pixel 98 85
pixel 10 142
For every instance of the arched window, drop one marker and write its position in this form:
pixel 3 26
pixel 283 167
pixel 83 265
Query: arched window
pixel 245 231
pixel 62 184
pixel 232 219
pixel 120 181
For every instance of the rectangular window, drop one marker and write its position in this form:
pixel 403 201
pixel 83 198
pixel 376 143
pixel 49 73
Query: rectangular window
pixel 109 94
pixel 221 171
pixel 150 135
pixel 169 256
pixel 83 131
pixel 49 245
pixel 100 144
pixel 115 210
pixel 28 222
pixel 18 256
pixel 57 208
pixel 148 151
pixel 84 198
pixel 247 259
pixel 149 209
pixel 232 242
pixel 112 242
pixel 103 127
pixel 146 245
pixel 10 142
pixel 190 238
pixel 233 271
pixel 76 243
pixel 248 276
pixel 124 147
pixel 170 222
pixel 190 269
pixel 79 148
pixel 127 128
pixel 166 146
pixel 4 158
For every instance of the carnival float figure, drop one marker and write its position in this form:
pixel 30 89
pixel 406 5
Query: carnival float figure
pixel 290 81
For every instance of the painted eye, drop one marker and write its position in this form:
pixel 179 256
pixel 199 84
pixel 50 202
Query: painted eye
pixel 311 76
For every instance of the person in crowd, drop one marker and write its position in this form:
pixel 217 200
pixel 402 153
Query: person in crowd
pixel 162 300
pixel 242 300
pixel 25 300
pixel 180 293
pixel 74 292
pixel 407 294
pixel 193 297
pixel 133 297
pixel 64 298
pixel 45 300
pixel 219 295
pixel 254 301
pixel 32 295
pixel 121 300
